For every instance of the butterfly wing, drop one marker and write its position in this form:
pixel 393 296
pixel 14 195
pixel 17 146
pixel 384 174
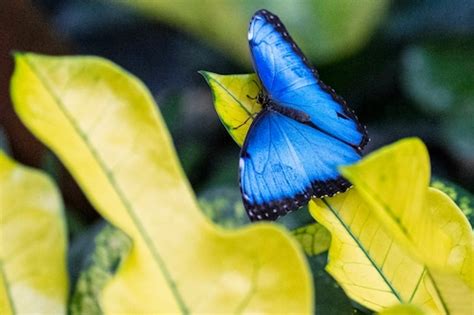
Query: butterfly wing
pixel 290 81
pixel 284 163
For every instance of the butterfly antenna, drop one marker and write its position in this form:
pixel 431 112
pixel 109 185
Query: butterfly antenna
pixel 258 87
pixel 256 83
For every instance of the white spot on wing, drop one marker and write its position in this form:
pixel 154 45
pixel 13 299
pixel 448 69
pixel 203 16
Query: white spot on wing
pixel 250 34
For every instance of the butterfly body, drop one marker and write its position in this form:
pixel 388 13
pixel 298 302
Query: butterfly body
pixel 302 135
pixel 269 105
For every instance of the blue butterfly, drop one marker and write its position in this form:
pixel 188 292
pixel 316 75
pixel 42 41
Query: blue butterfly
pixel 302 135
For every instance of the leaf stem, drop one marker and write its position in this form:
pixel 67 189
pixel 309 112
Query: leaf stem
pixel 7 285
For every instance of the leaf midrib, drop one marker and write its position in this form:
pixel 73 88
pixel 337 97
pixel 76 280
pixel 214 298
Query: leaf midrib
pixel 127 205
pixel 395 219
pixel 233 96
pixel 379 271
pixel 7 285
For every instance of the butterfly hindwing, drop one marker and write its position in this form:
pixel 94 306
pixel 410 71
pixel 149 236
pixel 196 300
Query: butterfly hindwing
pixel 284 163
pixel 290 81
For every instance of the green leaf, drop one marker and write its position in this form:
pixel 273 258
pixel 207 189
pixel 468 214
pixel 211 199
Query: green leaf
pixel 394 183
pixel 314 238
pixel 327 30
pixel 103 125
pixel 111 246
pixel 224 207
pixel 33 276
pixel 463 199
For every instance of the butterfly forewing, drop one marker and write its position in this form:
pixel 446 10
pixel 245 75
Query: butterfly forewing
pixel 291 81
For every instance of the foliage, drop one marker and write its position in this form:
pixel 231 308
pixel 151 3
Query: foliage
pixel 382 233
pixel 33 277
pixel 314 238
pixel 411 223
pixel 409 72
pixel 463 198
pixel 111 247
pixel 330 29
pixel 224 207
pixel 383 259
pixel 364 259
pixel 103 125
pixel 403 309
pixel 235 101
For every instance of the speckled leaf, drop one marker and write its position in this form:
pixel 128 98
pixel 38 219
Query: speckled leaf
pixel 110 247
pixel 224 207
pixel 463 198
pixel 103 124
pixel 33 276
pixel 314 238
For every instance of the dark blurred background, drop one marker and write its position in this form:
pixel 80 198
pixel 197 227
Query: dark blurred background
pixel 406 67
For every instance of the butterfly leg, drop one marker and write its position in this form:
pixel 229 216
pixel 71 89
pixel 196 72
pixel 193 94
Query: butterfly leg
pixel 246 120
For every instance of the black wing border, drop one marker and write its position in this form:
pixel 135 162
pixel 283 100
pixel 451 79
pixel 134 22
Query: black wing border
pixel 277 208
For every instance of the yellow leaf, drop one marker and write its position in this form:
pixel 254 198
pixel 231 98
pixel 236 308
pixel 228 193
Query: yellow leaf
pixel 365 260
pixel 33 276
pixel 452 271
pixel 448 219
pixel 394 180
pixel 103 124
pixel 455 293
pixel 403 309
pixel 235 101
pixel 394 183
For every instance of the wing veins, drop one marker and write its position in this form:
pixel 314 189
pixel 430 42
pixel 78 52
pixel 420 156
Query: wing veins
pixel 295 154
pixel 270 145
pixel 279 158
pixel 310 142
pixel 296 89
